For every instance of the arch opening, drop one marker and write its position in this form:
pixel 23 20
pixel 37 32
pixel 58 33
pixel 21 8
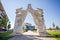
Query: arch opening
pixel 28 27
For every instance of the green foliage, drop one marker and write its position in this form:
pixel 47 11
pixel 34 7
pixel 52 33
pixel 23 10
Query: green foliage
pixel 6 33
pixel 54 34
pixel 9 25
pixel 53 24
pixel 4 21
pixel 57 27
pixel 4 36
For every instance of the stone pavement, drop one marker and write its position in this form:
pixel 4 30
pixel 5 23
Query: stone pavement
pixel 29 32
pixel 30 37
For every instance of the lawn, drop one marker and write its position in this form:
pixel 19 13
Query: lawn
pixel 4 36
pixel 54 33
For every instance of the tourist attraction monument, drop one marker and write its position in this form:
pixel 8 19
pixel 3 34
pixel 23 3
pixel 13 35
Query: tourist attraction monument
pixel 37 16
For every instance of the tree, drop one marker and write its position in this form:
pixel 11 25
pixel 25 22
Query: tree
pixel 9 25
pixel 4 21
pixel 57 27
pixel 53 25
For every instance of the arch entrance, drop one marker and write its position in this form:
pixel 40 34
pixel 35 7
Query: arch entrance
pixel 37 17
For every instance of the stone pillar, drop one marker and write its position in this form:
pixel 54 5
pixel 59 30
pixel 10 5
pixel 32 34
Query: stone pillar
pixel 20 17
pixel 39 22
pixel 17 26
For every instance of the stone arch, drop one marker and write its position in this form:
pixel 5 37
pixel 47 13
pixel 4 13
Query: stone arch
pixel 37 16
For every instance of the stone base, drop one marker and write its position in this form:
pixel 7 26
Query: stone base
pixel 43 34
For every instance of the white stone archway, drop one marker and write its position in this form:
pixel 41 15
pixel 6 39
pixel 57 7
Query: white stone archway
pixel 37 16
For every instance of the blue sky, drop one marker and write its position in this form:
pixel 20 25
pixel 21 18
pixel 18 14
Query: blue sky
pixel 51 9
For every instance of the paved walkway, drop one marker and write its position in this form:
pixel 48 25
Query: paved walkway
pixel 30 36
pixel 30 33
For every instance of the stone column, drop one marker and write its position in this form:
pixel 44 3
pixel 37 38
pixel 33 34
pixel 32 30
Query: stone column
pixel 20 17
pixel 39 22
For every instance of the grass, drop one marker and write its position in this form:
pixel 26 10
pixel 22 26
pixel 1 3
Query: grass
pixel 54 34
pixel 4 36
